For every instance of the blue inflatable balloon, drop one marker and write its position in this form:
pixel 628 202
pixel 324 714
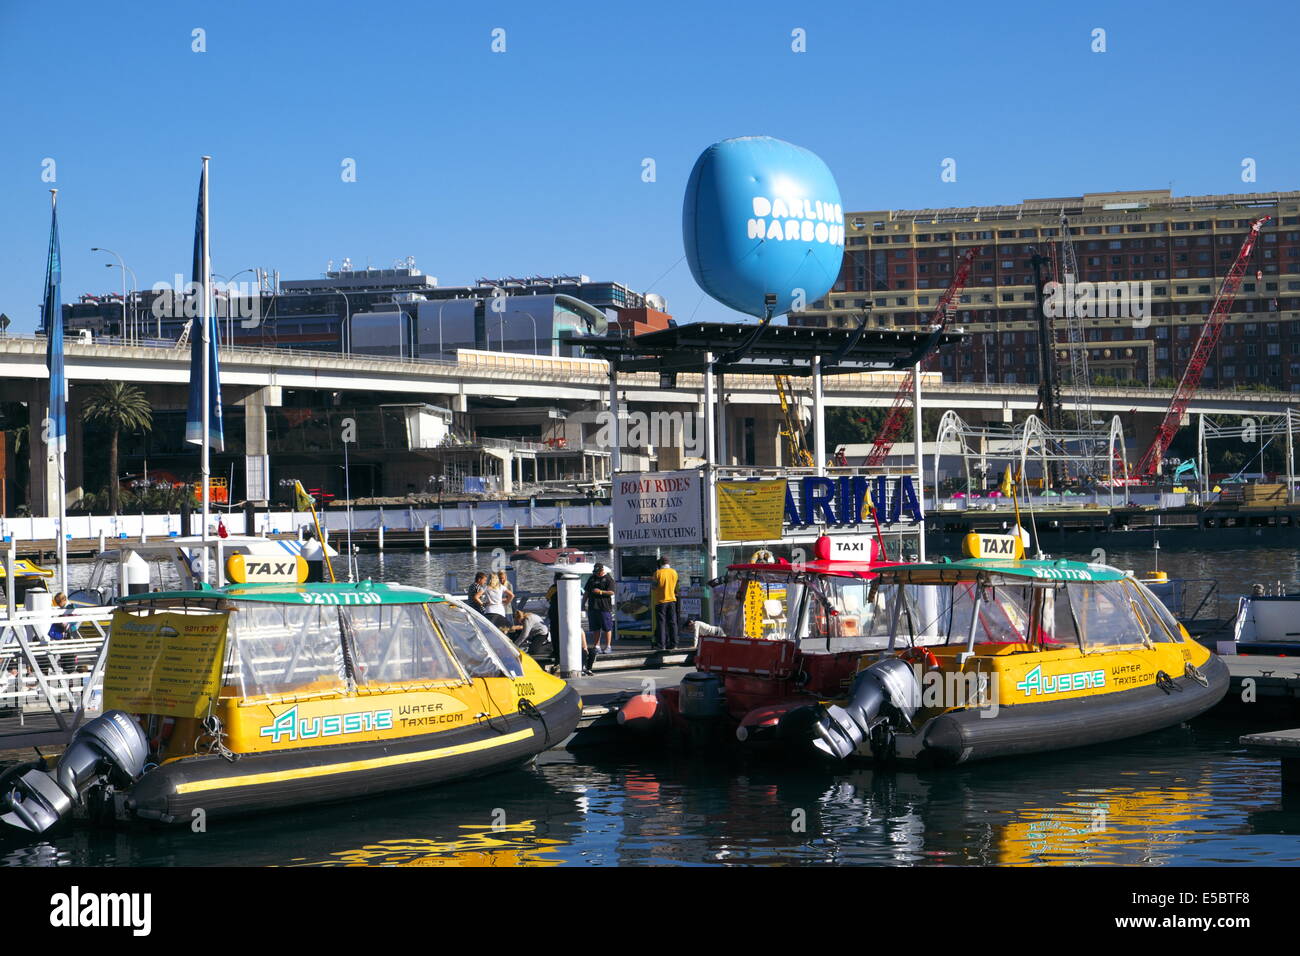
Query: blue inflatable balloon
pixel 763 216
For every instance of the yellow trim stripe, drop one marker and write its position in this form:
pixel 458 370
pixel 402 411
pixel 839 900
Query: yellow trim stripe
pixel 199 786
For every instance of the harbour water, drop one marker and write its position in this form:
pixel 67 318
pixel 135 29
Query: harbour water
pixel 1186 796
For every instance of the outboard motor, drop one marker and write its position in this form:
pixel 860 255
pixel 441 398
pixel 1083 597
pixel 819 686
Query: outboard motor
pixel 110 749
pixel 841 730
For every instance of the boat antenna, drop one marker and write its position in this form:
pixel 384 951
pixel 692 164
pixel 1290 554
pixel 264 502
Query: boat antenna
pixel 1015 499
pixel 884 552
pixel 301 499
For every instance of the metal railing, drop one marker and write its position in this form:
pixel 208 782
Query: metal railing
pixel 45 674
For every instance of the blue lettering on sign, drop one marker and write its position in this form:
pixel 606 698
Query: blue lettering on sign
pixel 823 500
pixel 817 493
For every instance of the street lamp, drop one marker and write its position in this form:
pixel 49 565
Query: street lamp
pixel 230 322
pixel 345 331
pixel 134 285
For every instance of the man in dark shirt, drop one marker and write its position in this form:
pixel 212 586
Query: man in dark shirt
pixel 598 595
pixel 475 594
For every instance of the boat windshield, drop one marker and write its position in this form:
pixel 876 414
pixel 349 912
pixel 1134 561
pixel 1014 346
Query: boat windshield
pixel 1114 613
pixel 276 648
pixel 758 604
pixel 824 612
pixel 1166 627
pixel 994 614
pixel 480 647
pixel 1090 615
pixel 394 643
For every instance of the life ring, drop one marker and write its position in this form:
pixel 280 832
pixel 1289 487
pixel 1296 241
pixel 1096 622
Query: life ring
pixel 762 556
pixel 920 653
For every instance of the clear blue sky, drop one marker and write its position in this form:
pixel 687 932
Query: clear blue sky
pixel 529 161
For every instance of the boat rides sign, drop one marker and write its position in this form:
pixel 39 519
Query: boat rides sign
pixel 658 508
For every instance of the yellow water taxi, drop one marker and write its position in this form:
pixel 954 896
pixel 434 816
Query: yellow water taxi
pixel 992 657
pixel 257 697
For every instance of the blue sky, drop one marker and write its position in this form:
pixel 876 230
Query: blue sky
pixel 529 161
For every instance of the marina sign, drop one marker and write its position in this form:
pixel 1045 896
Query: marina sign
pixel 850 500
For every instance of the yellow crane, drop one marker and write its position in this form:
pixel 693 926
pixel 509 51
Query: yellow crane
pixel 793 430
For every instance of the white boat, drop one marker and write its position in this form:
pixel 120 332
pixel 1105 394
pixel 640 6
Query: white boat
pixel 176 564
pixel 1267 624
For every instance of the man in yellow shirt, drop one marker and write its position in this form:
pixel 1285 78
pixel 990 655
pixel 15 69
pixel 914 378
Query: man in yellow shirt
pixel 663 605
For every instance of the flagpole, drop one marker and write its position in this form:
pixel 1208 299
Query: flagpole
pixel 62 443
pixel 206 319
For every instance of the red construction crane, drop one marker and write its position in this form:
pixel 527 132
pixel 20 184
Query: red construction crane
pixel 894 421
pixel 1205 344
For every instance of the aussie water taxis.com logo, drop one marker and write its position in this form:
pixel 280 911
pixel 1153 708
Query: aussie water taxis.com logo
pixel 1035 684
pixel 288 726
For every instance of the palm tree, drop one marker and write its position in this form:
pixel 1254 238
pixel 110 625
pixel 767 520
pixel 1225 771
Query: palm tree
pixel 120 408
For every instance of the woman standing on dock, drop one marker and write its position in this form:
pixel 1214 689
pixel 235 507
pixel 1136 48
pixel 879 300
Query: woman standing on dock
pixel 494 602
pixel 507 595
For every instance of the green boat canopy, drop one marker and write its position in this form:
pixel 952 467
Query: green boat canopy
pixel 340 594
pixel 993 570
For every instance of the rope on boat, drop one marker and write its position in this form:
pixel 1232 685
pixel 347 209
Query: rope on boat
pixel 529 709
pixel 1167 683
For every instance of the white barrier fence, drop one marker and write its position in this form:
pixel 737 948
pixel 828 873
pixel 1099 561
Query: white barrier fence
pixel 463 515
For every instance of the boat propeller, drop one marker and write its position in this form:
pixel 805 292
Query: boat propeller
pixel 110 749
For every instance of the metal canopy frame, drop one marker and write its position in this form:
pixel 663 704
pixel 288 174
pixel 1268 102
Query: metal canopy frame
pixel 1033 440
pixel 1277 424
pixel 778 349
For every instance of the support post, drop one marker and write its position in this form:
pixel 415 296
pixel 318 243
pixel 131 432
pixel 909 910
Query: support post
pixel 1290 461
pixel 1203 479
pixel 426 536
pixel 616 433
pixel 819 417
pixel 516 535
pixel 917 419
pixel 710 473
pixel 11 558
pixel 570 621
pixel 724 456
pixel 473 533
pixel 381 537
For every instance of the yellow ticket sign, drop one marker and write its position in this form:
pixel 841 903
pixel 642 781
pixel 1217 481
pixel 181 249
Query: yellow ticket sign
pixel 750 510
pixel 164 663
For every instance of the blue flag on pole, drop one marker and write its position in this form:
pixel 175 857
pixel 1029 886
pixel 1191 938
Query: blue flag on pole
pixel 194 417
pixel 52 320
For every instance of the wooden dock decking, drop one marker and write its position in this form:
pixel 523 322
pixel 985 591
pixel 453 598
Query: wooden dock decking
pixel 1259 682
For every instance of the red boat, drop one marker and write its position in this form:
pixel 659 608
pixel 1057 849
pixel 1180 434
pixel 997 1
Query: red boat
pixel 791 635
pixel 552 556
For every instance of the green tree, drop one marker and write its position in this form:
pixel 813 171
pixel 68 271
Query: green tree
pixel 119 407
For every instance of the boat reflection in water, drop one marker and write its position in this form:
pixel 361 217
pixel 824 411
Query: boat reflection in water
pixel 517 844
pixel 1188 795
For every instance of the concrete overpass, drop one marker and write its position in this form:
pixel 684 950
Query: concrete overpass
pixel 257 380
